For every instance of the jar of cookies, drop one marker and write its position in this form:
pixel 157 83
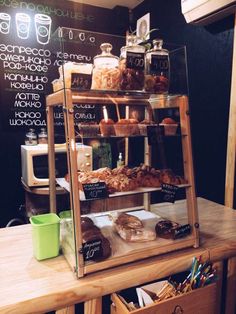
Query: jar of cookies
pixel 106 72
pixel 132 65
pixel 157 69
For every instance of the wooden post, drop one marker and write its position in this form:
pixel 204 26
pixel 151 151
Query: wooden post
pixel 93 306
pixel 230 302
pixel 67 310
pixel 51 159
pixel 231 146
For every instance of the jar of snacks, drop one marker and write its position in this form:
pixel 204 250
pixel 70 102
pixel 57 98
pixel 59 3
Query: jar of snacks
pixel 157 69
pixel 31 137
pixel 43 137
pixel 132 65
pixel 106 73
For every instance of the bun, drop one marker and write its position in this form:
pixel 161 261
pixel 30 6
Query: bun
pixel 108 121
pixel 107 127
pixel 123 121
pixel 126 127
pixel 168 121
pixel 86 223
pixel 165 229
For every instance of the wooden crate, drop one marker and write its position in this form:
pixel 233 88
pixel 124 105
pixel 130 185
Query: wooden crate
pixel 199 301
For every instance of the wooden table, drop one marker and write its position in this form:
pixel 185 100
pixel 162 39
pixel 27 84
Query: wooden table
pixel 29 286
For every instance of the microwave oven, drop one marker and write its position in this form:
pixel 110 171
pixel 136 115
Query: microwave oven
pixel 34 162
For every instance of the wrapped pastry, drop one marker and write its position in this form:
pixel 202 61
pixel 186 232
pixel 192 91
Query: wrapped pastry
pixel 131 229
pixel 92 234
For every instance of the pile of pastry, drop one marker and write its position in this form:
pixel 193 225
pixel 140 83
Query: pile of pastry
pixel 123 179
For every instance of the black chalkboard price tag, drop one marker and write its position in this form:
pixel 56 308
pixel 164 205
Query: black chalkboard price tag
pixel 159 63
pixel 80 81
pixel 182 231
pixel 155 134
pixel 95 190
pixel 135 60
pixel 92 250
pixel 169 192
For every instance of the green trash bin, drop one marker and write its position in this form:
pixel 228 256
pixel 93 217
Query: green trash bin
pixel 45 235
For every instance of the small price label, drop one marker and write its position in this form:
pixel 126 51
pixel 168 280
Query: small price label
pixel 182 231
pixel 155 134
pixel 95 190
pixel 135 60
pixel 92 250
pixel 159 63
pixel 169 192
pixel 80 81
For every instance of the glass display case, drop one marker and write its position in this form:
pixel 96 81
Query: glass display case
pixel 141 159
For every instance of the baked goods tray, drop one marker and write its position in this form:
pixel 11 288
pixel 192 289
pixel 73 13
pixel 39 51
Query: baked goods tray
pixel 63 183
pixel 122 248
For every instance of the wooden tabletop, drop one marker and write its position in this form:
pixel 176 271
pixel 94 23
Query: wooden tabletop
pixel 29 286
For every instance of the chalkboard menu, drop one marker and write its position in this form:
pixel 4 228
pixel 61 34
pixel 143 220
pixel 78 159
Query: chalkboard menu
pixel 30 54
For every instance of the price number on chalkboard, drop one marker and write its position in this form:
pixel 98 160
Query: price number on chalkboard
pixel 80 81
pixel 169 192
pixel 159 64
pixel 95 190
pixel 92 250
pixel 135 60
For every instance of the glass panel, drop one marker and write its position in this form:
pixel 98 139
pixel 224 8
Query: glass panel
pixel 131 147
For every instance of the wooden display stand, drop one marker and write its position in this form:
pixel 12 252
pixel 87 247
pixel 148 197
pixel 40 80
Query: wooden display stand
pixel 67 98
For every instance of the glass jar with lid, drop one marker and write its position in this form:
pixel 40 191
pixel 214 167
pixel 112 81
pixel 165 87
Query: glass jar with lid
pixel 157 69
pixel 43 137
pixel 106 72
pixel 132 65
pixel 74 75
pixel 31 138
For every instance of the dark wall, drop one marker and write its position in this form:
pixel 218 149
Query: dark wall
pixel 209 52
pixel 209 66
pixel 64 14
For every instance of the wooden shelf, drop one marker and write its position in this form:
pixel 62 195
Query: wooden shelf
pixel 156 101
pixel 141 190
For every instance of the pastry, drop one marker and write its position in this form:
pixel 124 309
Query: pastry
pixel 126 127
pixel 86 223
pixel 130 228
pixel 167 176
pixel 107 127
pixel 165 229
pixel 129 221
pixel 102 173
pixel 170 126
pixel 121 183
pixel 92 234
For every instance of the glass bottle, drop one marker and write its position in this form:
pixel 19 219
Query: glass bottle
pixel 106 72
pixel 120 161
pixel 43 137
pixel 132 65
pixel 31 138
pixel 157 69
